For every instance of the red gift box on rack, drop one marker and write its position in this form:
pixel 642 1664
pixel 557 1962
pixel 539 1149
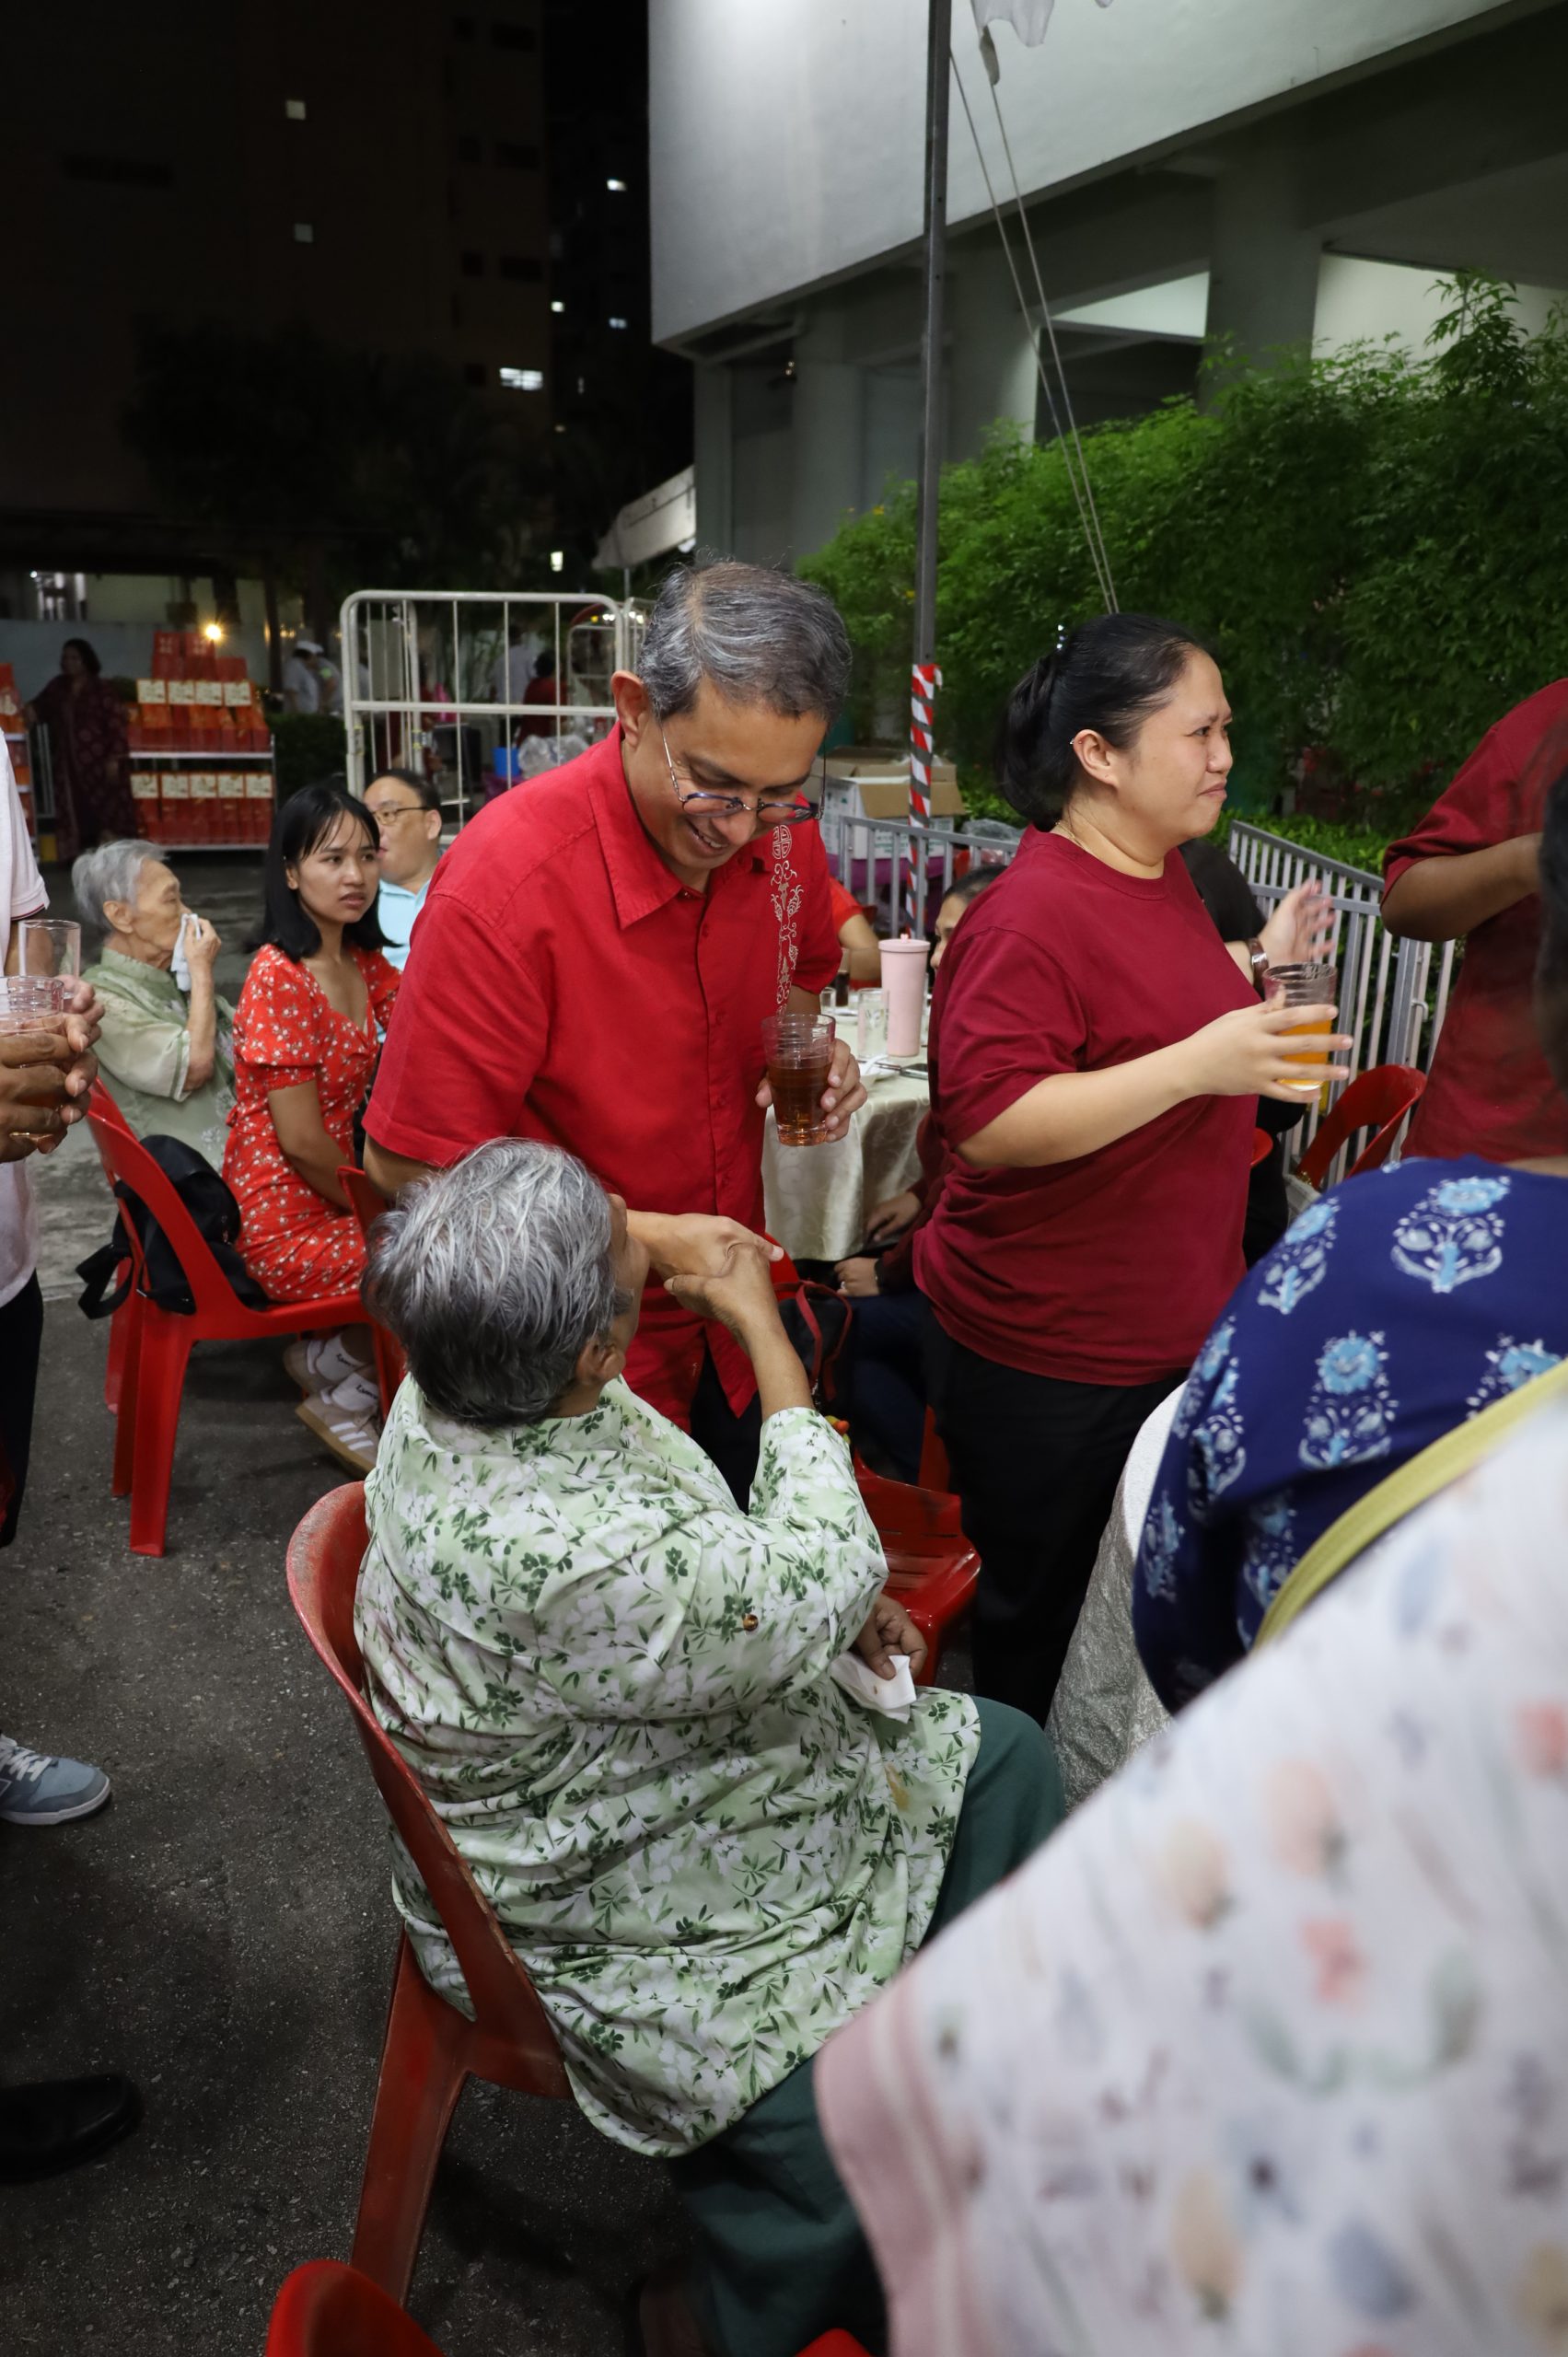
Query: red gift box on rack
pixel 258 806
pixel 149 809
pixel 168 654
pixel 174 800
pixel 203 807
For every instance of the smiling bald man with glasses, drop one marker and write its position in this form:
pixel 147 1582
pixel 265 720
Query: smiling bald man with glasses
pixel 598 950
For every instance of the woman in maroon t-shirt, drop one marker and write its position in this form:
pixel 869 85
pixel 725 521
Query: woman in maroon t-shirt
pixel 1098 1052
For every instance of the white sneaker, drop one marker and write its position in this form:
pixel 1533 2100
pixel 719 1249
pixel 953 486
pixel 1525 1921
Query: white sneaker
pixel 349 1431
pixel 317 1362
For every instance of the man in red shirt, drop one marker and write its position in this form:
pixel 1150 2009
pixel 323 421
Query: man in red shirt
pixel 598 950
pixel 1469 868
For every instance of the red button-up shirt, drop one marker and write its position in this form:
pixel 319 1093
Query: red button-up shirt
pixel 562 984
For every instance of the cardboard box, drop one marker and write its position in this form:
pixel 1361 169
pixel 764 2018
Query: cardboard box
pixel 236 692
pixel 873 781
pixel 152 692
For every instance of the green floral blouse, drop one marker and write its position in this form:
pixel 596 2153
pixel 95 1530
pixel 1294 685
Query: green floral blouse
pixel 614 1686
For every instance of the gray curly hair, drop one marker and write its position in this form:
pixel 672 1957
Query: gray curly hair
pixel 493 1275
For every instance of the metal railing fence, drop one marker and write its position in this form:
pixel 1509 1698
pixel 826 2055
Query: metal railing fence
pixel 439 681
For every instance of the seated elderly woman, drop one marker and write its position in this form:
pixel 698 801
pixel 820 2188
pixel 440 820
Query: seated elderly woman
pixel 620 1693
pixel 167 1056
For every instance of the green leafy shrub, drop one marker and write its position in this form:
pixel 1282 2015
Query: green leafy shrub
pixel 1373 544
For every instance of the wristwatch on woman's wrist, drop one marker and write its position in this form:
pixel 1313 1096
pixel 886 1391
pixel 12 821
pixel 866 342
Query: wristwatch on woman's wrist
pixel 1259 957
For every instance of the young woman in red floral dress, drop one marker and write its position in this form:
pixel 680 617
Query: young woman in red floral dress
pixel 307 1034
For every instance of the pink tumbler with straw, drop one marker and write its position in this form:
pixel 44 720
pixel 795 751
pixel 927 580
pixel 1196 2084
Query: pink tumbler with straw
pixel 903 988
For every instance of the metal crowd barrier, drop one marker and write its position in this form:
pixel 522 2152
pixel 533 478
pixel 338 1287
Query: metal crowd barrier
pixel 437 680
pixel 1388 1001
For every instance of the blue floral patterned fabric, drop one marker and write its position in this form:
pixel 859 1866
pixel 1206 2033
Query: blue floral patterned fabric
pixel 1395 1307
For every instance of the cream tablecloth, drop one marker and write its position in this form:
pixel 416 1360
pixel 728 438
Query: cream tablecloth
pixel 818 1197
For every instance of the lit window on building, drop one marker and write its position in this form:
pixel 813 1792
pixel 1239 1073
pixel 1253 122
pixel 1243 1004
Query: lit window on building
pixel 304 233
pixel 295 110
pixel 618 324
pixel 557 559
pixel 523 380
pixel 616 188
pixel 558 308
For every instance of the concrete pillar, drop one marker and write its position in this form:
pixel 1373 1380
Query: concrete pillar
pixel 828 417
pixel 1262 262
pixel 714 444
pixel 991 359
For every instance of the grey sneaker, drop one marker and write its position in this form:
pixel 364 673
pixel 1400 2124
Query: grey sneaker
pixel 35 1788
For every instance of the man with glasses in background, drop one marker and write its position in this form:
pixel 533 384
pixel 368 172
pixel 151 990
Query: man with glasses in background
pixel 407 811
pixel 598 954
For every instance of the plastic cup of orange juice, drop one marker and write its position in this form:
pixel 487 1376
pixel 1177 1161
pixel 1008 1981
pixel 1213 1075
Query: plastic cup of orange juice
pixel 1306 985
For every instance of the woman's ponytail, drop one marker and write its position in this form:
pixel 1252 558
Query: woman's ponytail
pixel 1109 676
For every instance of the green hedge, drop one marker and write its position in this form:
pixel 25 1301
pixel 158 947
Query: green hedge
pixel 1375 546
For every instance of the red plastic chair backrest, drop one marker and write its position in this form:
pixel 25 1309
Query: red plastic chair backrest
pixel 1262 1146
pixel 325 2309
pixel 1379 1101
pixel 125 1157
pixel 324 1557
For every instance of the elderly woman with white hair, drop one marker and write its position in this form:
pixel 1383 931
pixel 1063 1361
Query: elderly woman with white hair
pixel 626 1698
pixel 166 1056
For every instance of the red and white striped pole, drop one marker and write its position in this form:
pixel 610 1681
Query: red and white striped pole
pixel 925 680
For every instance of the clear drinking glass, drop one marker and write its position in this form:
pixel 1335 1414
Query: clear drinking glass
pixel 51 951
pixel 799 1052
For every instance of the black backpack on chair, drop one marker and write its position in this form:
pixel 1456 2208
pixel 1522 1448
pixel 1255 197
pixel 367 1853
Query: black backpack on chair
pixel 211 1204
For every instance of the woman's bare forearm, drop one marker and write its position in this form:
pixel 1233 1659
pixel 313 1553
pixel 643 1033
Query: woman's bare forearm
pixel 1442 897
pixel 1075 1114
pixel 201 1030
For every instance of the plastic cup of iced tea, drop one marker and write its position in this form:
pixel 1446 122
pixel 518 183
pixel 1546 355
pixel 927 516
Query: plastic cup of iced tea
pixel 800 1052
pixel 1304 985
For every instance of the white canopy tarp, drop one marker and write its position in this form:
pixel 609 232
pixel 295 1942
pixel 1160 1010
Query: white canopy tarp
pixel 663 520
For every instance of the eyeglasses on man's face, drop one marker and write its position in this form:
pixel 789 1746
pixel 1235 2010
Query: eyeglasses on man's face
pixel 385 812
pixel 767 810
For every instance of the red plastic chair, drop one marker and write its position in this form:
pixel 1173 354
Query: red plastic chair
pixel 159 1348
pixel 1262 1146
pixel 1378 1101
pixel 367 1203
pixel 123 1324
pixel 430 2048
pixel 327 2310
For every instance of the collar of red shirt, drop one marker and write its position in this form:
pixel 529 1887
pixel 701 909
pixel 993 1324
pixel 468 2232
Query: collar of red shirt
pixel 639 880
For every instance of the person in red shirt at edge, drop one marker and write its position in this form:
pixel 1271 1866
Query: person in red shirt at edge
pixel 1098 1052
pixel 1469 868
pixel 598 950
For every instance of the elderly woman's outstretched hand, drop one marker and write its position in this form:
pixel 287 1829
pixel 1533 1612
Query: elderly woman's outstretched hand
pixel 739 1293
pixel 695 1243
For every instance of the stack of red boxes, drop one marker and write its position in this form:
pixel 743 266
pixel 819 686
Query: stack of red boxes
pixel 202 720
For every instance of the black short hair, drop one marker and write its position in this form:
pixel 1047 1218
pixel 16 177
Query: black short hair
pixel 1109 675
pixel 427 791
pixel 544 664
pixel 972 884
pixel 306 819
pixel 87 653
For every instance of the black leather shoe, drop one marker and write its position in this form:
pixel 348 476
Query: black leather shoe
pixel 57 2123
